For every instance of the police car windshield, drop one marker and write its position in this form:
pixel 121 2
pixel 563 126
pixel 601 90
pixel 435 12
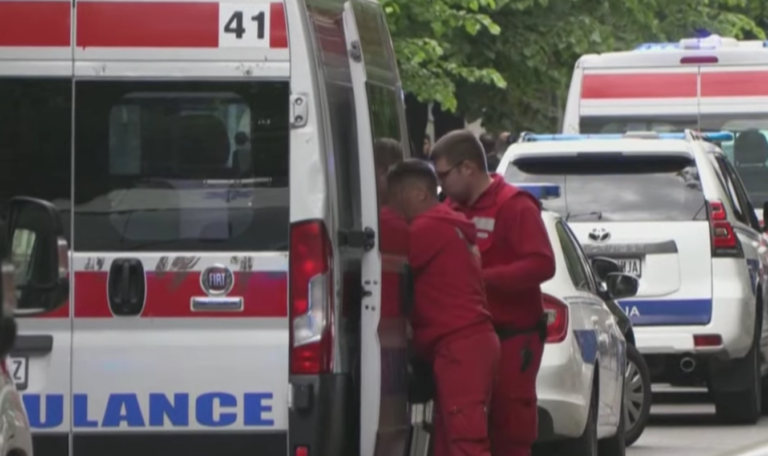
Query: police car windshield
pixel 749 154
pixel 616 187
pixel 184 166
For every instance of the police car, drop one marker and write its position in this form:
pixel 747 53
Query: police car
pixel 580 385
pixel 709 83
pixel 671 210
pixel 212 163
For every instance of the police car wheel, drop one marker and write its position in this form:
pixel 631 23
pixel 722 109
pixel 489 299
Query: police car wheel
pixel 637 395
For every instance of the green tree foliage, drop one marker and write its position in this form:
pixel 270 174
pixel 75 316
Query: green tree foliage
pixel 428 36
pixel 510 61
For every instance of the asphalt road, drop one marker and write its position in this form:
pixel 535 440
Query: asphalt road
pixel 683 424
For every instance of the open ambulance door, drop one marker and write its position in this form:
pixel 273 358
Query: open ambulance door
pixel 384 413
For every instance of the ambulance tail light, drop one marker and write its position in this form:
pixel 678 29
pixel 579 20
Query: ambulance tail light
pixel 557 319
pixel 311 298
pixel 724 240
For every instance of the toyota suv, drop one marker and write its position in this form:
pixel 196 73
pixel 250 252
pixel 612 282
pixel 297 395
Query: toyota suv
pixel 672 210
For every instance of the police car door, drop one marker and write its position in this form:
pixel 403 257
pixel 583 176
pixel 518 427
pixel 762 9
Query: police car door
pixel 181 227
pixel 35 149
pixel 384 417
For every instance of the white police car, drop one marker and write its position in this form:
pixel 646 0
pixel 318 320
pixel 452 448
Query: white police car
pixel 671 209
pixel 580 384
pixel 34 269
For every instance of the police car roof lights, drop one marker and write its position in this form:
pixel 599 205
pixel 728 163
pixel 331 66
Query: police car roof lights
pixel 541 191
pixel 723 136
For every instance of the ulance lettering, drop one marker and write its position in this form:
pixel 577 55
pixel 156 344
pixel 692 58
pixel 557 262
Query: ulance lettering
pixel 212 409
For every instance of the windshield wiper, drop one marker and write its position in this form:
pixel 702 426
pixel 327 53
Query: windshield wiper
pixel 597 214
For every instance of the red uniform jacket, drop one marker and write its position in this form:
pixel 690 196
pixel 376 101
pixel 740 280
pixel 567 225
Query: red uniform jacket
pixel 450 298
pixel 516 253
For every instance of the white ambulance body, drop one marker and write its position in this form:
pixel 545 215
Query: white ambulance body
pixel 213 165
pixel 709 84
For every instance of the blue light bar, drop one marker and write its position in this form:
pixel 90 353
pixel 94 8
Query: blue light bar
pixel 657 46
pixel 541 191
pixel 712 136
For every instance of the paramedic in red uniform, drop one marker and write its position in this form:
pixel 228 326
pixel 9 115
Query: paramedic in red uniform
pixel 451 325
pixel 517 258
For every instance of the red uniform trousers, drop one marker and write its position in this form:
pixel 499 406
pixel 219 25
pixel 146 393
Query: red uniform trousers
pixel 465 373
pixel 514 421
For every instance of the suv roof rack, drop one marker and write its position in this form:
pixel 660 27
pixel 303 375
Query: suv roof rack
pixel 688 135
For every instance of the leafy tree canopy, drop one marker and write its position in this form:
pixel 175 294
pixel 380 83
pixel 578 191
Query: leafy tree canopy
pixel 510 61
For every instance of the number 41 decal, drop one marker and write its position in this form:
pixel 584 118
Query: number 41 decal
pixel 244 25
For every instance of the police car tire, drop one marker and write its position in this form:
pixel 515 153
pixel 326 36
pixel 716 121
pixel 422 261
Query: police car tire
pixel 634 356
pixel 742 407
pixel 587 443
pixel 616 445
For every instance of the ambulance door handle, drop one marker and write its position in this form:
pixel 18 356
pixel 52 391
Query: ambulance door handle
pixel 127 286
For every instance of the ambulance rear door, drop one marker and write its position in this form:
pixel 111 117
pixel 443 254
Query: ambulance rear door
pixel 35 158
pixel 181 228
pixel 384 413
pixel 640 89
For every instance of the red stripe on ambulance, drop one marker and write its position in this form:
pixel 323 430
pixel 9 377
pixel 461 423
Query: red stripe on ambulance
pixel 734 84
pixel 647 85
pixel 35 24
pixel 169 294
pixel 177 25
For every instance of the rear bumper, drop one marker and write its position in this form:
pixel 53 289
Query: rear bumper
pixel 733 308
pixel 732 319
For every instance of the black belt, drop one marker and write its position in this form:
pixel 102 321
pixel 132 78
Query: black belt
pixel 505 332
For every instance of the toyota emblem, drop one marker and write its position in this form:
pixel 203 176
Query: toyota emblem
pixel 599 234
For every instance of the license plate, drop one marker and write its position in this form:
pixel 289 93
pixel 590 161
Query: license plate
pixel 18 367
pixel 631 266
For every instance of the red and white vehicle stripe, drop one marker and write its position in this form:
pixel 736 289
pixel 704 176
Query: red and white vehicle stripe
pixel 174 280
pixel 142 31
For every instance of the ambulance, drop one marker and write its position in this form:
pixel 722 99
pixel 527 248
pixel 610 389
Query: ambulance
pixel 710 83
pixel 212 165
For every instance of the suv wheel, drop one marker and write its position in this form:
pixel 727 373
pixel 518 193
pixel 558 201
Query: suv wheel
pixel 742 407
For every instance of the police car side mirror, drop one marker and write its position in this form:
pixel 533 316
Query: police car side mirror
pixel 621 285
pixel 604 266
pixel 39 255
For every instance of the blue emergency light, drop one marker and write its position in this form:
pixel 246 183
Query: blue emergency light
pixel 541 191
pixel 723 136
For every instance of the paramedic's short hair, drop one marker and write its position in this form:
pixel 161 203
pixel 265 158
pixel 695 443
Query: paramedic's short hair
pixel 413 170
pixel 387 152
pixel 458 146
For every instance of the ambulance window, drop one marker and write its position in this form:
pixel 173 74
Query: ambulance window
pixel 35 141
pixel 184 166
pixel 383 110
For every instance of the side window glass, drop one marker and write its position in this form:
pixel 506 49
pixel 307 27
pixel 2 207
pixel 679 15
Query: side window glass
pixel 572 260
pixel 383 111
pixel 743 196
pixel 729 187
pixel 591 283
pixel 344 135
pixel 36 141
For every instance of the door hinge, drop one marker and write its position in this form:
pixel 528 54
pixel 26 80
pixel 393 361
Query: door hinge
pixel 365 239
pixel 299 110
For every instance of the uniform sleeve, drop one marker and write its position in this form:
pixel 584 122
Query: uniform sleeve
pixel 531 261
pixel 425 240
